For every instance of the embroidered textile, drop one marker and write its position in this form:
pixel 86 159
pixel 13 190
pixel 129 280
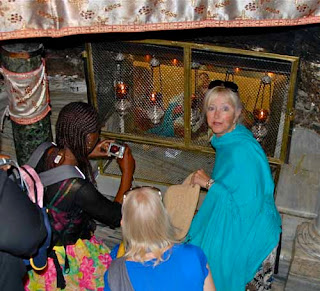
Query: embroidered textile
pixel 28 95
pixel 57 18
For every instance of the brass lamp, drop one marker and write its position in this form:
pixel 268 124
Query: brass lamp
pixel 260 113
pixel 155 112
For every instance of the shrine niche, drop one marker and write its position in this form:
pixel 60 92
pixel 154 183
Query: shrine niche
pixel 149 94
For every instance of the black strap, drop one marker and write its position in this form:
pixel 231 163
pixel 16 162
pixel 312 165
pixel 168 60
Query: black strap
pixel 118 278
pixel 66 262
pixel 61 282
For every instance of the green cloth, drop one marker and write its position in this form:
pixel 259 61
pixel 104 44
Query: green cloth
pixel 238 224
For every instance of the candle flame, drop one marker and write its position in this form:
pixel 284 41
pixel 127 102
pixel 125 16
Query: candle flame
pixel 153 96
pixel 121 90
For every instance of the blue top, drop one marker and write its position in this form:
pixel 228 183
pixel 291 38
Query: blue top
pixel 184 268
pixel 238 224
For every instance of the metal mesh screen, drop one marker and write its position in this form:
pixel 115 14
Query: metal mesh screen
pixel 164 165
pixel 136 85
pixel 141 89
pixel 263 87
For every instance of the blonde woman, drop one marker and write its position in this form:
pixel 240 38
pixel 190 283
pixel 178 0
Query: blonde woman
pixel 154 260
pixel 238 225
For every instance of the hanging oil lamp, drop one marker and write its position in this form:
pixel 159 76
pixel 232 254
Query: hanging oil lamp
pixel 121 88
pixel 229 76
pixel 155 113
pixel 260 113
pixel 122 103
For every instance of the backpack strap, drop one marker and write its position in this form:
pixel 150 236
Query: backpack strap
pixel 118 278
pixel 59 174
pixel 38 153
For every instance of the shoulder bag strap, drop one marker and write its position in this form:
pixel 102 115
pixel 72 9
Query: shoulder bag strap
pixel 38 153
pixel 118 278
pixel 59 174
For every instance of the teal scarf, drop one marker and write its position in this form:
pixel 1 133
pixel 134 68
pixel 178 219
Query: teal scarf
pixel 238 224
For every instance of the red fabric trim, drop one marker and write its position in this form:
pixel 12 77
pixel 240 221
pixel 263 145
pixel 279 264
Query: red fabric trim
pixel 31 33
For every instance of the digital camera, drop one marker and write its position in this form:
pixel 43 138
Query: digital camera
pixel 116 150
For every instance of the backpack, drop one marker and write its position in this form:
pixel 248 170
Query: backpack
pixel 33 184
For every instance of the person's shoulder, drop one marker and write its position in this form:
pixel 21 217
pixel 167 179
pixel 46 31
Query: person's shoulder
pixel 192 253
pixel 188 248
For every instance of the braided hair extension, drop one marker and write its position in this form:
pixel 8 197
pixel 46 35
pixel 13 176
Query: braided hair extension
pixel 75 121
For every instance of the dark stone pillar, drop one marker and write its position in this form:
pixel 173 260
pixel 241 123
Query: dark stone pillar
pixel 22 58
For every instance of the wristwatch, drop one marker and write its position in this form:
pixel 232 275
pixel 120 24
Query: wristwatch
pixel 209 183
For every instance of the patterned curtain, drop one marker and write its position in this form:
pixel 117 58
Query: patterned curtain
pixel 56 18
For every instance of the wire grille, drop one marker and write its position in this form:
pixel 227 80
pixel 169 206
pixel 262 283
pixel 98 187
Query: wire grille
pixel 263 85
pixel 135 114
pixel 141 89
pixel 164 165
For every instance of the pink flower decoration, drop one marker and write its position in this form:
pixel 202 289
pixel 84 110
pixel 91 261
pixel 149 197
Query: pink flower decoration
pixel 87 270
pixel 71 251
pixel 105 260
pixel 50 274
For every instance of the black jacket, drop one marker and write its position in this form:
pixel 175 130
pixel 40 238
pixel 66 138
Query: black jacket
pixel 21 231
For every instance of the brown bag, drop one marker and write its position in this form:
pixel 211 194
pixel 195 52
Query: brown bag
pixel 181 203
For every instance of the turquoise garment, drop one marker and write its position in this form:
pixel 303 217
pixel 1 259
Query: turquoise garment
pixel 166 127
pixel 238 224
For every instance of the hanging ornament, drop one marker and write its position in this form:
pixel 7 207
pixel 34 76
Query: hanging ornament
pixel 122 104
pixel 229 76
pixel 155 113
pixel 261 109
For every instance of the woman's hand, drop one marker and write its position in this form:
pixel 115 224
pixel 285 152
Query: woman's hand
pixel 6 167
pixel 200 177
pixel 127 166
pixel 127 163
pixel 100 150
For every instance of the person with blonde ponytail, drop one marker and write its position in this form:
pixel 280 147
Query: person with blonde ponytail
pixel 154 259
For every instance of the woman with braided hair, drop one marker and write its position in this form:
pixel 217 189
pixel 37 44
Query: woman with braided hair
pixel 78 261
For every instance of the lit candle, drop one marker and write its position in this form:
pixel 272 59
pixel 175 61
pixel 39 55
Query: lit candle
pixel 261 115
pixel 121 90
pixel 153 97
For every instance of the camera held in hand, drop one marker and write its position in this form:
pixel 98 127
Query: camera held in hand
pixel 116 150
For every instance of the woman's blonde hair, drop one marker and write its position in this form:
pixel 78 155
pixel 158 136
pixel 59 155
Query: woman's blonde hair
pixel 146 225
pixel 222 91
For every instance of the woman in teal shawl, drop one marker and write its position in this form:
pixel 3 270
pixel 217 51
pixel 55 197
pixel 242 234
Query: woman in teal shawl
pixel 238 225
